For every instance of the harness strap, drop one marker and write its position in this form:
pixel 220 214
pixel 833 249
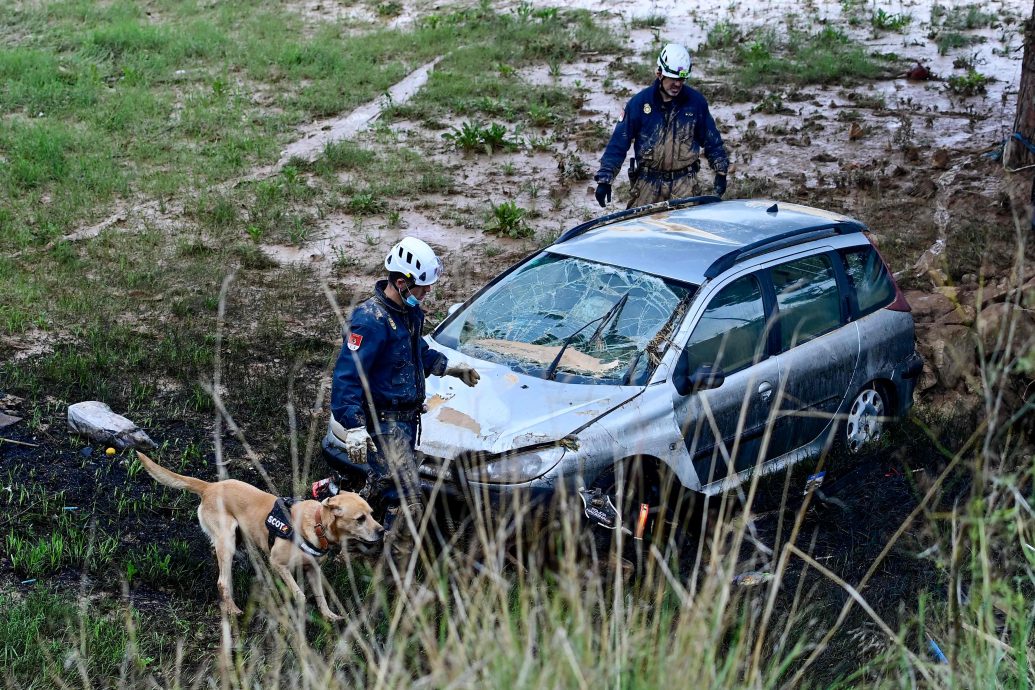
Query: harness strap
pixel 278 522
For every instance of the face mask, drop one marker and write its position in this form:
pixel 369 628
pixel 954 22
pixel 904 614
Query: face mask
pixel 410 299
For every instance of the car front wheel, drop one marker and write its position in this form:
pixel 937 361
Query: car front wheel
pixel 865 421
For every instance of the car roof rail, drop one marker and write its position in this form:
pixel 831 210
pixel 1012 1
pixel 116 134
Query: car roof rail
pixel 780 241
pixel 637 211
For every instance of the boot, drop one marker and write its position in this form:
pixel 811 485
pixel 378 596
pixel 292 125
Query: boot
pixel 400 540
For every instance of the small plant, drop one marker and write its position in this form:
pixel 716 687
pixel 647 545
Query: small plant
pixel 255 233
pixel 394 218
pixel 885 21
pixel 344 259
pixel 771 103
pixel 508 219
pixel 723 34
pixel 389 9
pixel 970 84
pixel 953 40
pixel 573 168
pixel 475 137
pixel 648 22
pixel 366 204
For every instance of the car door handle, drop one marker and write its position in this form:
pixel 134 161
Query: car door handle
pixel 765 391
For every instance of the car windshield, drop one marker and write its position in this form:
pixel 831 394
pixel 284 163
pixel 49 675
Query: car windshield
pixel 612 323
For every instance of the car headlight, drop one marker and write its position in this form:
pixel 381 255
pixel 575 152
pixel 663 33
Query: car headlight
pixel 517 468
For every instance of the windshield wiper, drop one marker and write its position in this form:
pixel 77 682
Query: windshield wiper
pixel 551 371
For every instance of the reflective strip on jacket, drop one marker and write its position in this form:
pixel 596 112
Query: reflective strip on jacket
pixel 383 341
pixel 664 136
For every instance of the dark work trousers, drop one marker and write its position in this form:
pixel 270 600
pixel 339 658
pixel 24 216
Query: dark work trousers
pixel 393 469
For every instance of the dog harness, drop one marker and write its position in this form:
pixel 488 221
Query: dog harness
pixel 278 522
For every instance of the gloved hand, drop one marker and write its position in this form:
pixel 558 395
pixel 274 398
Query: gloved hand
pixel 603 193
pixel 357 444
pixel 720 185
pixel 465 373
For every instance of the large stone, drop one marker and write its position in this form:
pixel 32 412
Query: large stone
pixel 1006 326
pixel 928 306
pixel 949 352
pixel 96 421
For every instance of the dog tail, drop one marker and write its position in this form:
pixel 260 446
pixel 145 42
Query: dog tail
pixel 170 478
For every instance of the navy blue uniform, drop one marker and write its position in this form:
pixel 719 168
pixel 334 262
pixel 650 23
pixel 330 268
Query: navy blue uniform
pixel 667 139
pixel 383 343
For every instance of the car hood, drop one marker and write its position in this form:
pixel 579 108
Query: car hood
pixel 507 410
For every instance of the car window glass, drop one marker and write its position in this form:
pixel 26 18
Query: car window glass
pixel 524 320
pixel 869 278
pixel 807 299
pixel 731 332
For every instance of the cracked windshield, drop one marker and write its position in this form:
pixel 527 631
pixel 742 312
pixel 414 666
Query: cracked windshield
pixel 573 320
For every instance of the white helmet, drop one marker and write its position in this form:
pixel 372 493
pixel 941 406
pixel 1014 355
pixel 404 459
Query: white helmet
pixel 414 259
pixel 674 61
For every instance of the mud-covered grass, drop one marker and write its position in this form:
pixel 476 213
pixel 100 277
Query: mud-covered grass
pixel 181 320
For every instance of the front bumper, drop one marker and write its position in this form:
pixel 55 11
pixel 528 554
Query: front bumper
pixel 445 480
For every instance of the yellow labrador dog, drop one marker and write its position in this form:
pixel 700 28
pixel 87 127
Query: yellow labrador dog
pixel 293 534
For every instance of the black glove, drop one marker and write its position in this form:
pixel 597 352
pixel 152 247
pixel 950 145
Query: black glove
pixel 603 193
pixel 720 185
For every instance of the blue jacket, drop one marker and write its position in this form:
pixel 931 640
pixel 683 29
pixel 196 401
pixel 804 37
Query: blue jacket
pixel 383 341
pixel 648 123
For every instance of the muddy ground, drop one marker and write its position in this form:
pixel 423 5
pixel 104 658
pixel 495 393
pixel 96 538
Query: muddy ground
pixel 908 158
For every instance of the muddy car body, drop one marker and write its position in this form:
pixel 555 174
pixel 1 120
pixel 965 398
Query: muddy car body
pixel 704 339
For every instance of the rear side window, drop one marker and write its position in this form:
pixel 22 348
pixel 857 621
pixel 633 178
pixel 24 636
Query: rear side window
pixel 731 332
pixel 869 278
pixel 807 299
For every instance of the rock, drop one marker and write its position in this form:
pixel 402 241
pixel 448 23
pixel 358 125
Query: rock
pixel 994 325
pixel 7 420
pixel 928 306
pixel 949 352
pixel 96 421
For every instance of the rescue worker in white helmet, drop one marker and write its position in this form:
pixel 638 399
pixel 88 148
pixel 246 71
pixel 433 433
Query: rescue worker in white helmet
pixel 668 125
pixel 377 392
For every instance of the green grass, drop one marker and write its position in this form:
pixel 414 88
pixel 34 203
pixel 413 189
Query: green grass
pixel 798 57
pixel 508 219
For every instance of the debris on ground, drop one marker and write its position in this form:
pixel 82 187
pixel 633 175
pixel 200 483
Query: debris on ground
pixel 7 420
pixel 96 421
pixel 750 579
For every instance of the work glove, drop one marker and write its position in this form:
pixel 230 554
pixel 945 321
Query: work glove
pixel 720 185
pixel 357 444
pixel 603 194
pixel 465 373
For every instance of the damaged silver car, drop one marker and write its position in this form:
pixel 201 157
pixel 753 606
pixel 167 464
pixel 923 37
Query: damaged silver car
pixel 694 340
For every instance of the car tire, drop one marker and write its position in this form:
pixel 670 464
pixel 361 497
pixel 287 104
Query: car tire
pixel 864 420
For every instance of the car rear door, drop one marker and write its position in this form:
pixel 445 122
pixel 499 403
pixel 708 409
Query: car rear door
pixel 818 347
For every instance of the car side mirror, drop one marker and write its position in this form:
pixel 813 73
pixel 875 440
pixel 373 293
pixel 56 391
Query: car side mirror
pixel 453 307
pixel 706 377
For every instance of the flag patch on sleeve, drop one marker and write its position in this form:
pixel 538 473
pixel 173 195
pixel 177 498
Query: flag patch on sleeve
pixel 355 340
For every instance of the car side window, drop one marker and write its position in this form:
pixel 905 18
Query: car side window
pixel 731 332
pixel 807 299
pixel 869 278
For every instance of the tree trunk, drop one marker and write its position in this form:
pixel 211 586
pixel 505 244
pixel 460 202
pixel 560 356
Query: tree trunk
pixel 1016 154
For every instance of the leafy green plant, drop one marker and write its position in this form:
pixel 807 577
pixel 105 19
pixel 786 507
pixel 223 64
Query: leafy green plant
pixel 970 84
pixel 508 219
pixel 886 21
pixel 475 137
pixel 366 204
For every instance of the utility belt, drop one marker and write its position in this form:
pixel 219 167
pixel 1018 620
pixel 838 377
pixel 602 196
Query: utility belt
pixel 401 413
pixel 664 175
